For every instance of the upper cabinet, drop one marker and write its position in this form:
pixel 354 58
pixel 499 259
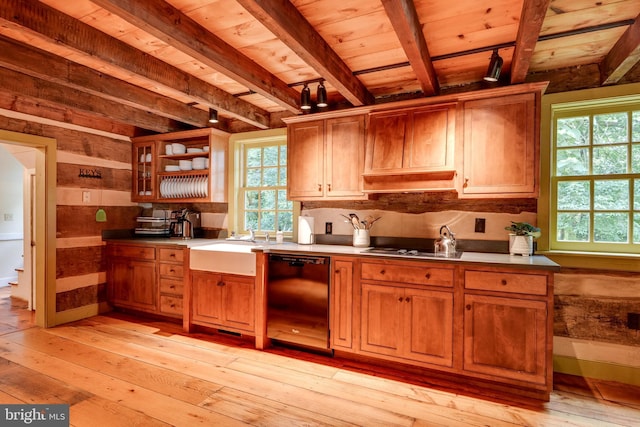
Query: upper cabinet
pixel 501 147
pixel 189 166
pixel 325 159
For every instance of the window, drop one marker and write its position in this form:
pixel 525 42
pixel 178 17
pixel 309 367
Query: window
pixel 260 182
pixel 595 177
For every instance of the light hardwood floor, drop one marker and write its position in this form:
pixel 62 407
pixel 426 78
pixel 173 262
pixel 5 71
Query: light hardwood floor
pixel 119 370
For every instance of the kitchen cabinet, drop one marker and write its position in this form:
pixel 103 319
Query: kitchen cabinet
pixel 172 275
pixel 501 147
pixel 196 173
pixel 404 315
pixel 325 159
pixel 131 277
pixel 341 303
pixel 225 301
pixel 507 326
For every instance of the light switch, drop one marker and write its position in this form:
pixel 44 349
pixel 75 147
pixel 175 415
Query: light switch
pixel 86 197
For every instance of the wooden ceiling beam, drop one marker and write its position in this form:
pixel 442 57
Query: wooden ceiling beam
pixel 624 55
pixel 531 19
pixel 170 25
pixel 52 68
pixel 48 24
pixel 285 21
pixel 404 18
pixel 15 83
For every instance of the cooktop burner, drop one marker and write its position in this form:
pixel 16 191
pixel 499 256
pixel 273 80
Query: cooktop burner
pixel 416 253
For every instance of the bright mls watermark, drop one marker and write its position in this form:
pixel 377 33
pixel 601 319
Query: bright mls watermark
pixel 55 415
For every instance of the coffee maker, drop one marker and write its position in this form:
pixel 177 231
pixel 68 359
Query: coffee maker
pixel 184 223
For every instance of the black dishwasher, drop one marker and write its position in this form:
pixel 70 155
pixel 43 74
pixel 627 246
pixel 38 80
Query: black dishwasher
pixel 298 300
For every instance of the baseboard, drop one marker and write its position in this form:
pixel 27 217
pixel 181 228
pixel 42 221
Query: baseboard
pixel 596 370
pixel 80 313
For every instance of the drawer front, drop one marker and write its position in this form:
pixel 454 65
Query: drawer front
pixel 174 287
pixel 534 284
pixel 420 275
pixel 170 305
pixel 171 255
pixel 138 252
pixel 171 270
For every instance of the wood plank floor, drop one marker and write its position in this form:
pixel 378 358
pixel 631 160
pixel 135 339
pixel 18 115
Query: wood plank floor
pixel 119 370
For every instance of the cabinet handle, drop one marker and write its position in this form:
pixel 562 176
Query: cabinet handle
pixel 221 283
pixel 400 299
pixel 172 287
pixel 468 307
pixel 428 276
pixel 407 299
pixel 319 187
pixel 172 271
pixel 172 255
pixel 503 282
pixel 382 271
pixel 328 187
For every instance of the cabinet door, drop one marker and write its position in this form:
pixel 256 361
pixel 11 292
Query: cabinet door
pixel 430 144
pixel 341 306
pixel 305 162
pixel 238 302
pixel 144 160
pixel 501 147
pixel 385 142
pixel 206 297
pixel 382 318
pixel 133 284
pixel 344 138
pixel 429 331
pixel 505 337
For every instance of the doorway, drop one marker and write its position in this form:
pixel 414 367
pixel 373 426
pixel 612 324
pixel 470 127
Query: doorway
pixel 42 224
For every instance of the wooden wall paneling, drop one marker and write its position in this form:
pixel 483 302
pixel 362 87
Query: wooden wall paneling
pixel 75 221
pixel 111 179
pixel 80 297
pixel 80 261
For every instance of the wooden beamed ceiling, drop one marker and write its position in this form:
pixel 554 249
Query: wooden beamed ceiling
pixel 138 67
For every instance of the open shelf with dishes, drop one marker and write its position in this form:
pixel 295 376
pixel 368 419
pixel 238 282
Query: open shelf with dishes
pixel 189 166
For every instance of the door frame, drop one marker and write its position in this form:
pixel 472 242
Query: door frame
pixel 44 222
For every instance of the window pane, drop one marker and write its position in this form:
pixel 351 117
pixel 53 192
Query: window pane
pixel 610 128
pixel 611 194
pixel 636 228
pixel 270 156
pixel 574 195
pixel 254 157
pixel 251 200
pixel 609 160
pixel 635 130
pixel 635 158
pixel 254 177
pixel 283 203
pixel 573 131
pixel 573 227
pixel 267 221
pixel 611 227
pixel 573 162
pixel 270 177
pixel 251 220
pixel 283 177
pixel 285 221
pixel 283 155
pixel 268 199
pixel 636 195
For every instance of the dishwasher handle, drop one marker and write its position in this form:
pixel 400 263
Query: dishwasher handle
pixel 298 261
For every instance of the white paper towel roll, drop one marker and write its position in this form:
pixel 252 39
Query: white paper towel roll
pixel 305 230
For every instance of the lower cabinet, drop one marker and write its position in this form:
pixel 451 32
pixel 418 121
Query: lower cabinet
pixel 341 303
pixel 131 277
pixel 226 301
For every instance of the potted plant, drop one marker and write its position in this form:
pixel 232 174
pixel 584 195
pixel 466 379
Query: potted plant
pixel 521 236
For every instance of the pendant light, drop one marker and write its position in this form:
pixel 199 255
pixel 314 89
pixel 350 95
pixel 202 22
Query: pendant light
pixel 305 98
pixel 495 66
pixel 322 95
pixel 213 115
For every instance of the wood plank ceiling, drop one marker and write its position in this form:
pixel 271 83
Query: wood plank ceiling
pixel 136 67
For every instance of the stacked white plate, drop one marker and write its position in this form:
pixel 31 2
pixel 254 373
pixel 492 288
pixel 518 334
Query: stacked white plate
pixel 185 165
pixel 172 168
pixel 184 187
pixel 194 150
pixel 178 148
pixel 199 163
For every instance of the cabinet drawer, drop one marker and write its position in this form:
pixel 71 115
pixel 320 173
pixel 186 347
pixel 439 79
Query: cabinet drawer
pixel 170 305
pixel 420 275
pixel 171 270
pixel 174 287
pixel 171 255
pixel 138 252
pixel 535 284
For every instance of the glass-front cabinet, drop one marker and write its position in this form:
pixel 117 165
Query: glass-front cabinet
pixel 189 166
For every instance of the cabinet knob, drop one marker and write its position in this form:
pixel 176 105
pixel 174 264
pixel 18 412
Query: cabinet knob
pixel 503 282
pixel 382 271
pixel 172 287
pixel 172 271
pixel 319 187
pixel 400 299
pixel 428 276
pixel 221 283
pixel 468 307
pixel 407 299
pixel 466 182
pixel 172 255
pixel 328 187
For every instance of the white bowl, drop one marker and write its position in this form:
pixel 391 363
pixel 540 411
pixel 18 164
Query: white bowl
pixel 205 148
pixel 194 150
pixel 185 165
pixel 199 163
pixel 168 149
pixel 172 168
pixel 178 148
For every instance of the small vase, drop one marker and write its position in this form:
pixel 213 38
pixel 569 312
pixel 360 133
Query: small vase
pixel 520 245
pixel 361 238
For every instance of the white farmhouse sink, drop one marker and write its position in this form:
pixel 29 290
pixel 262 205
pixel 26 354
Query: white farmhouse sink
pixel 233 258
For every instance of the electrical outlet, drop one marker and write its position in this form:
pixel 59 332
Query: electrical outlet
pixel 633 321
pixel 328 228
pixel 480 223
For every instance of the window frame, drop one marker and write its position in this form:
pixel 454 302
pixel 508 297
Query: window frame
pixel 237 144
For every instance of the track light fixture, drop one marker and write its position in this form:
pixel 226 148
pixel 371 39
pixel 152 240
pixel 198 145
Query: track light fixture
pixel 213 115
pixel 322 95
pixel 495 66
pixel 305 98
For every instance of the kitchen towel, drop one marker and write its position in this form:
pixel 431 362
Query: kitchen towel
pixel 305 230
